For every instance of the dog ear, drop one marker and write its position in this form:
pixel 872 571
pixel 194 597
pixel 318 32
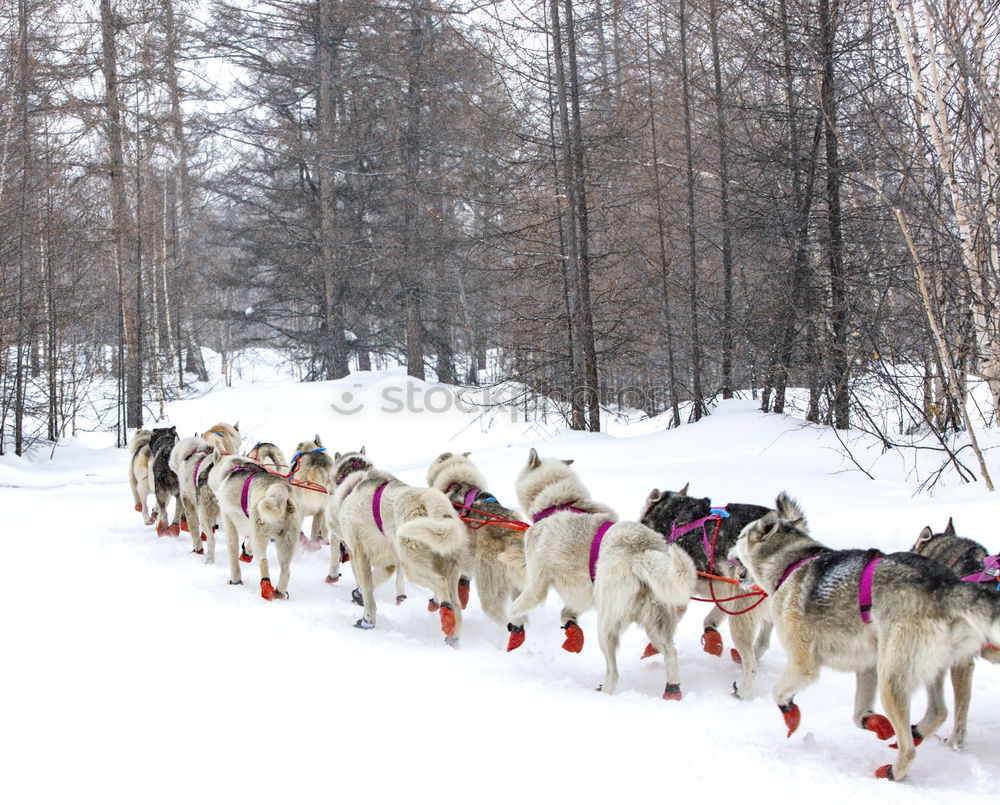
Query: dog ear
pixel 236 427
pixel 466 455
pixel 925 536
pixel 950 529
pixel 444 457
pixel 653 496
pixel 568 461
pixel 766 527
pixel 362 450
pixel 318 441
pixel 684 491
pixel 533 460
pixel 336 456
pixel 789 509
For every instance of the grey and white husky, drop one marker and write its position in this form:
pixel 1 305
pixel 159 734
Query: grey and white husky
pixel 254 502
pixel 270 457
pixel 686 521
pixel 161 443
pixel 139 477
pixel 390 527
pixel 624 569
pixel 971 562
pixel 312 466
pixel 898 621
pixel 489 541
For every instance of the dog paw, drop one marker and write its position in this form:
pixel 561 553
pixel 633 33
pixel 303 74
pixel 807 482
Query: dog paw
pixel 235 583
pixel 574 638
pixel 138 507
pixel 357 597
pixel 432 605
pixel 649 651
pixel 516 638
pixel 361 623
pixel 447 615
pixel 451 642
pixel 244 556
pixel 672 692
pixel 878 724
pixel 400 599
pixel 736 656
pixel 885 772
pixel 464 585
pixel 200 551
pixel 792 716
pixel 711 641
pixel 917 737
pixel 332 579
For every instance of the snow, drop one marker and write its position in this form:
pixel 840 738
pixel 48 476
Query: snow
pixel 134 673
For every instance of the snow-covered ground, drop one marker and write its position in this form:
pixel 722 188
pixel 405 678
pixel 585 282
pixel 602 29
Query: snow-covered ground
pixel 133 673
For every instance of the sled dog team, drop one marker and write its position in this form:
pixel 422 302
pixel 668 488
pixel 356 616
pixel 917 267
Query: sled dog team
pixel 898 621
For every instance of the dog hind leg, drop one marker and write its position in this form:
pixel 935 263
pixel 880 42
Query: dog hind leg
pixel 961 683
pixel 233 544
pixel 896 701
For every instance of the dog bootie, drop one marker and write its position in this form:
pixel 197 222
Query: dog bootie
pixel 885 772
pixel 184 526
pixel 244 556
pixel 447 615
pixel 332 579
pixel 173 530
pixel 516 636
pixel 204 537
pixel 736 656
pixel 574 638
pixel 649 651
pixel 267 591
pixel 711 641
pixel 464 585
pixel 400 599
pixel 345 555
pixel 672 692
pixel 879 725
pixel 432 605
pixel 792 716
pixel 200 551
pixel 917 737
pixel 138 507
pixel 357 597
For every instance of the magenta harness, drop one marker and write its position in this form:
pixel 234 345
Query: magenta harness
pixel 595 543
pixel 716 515
pixel 245 494
pixel 990 571
pixel 377 505
pixel 864 588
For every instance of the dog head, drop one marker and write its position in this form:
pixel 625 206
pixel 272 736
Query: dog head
pixel 346 463
pixel 663 509
pixel 545 482
pixel 926 537
pixel 162 436
pixel 770 534
pixel 449 468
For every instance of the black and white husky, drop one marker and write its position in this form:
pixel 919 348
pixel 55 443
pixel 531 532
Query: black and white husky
pixel 165 485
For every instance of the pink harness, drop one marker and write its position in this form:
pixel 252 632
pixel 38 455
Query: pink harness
pixel 792 568
pixel 865 589
pixel 990 571
pixel 678 531
pixel 595 543
pixel 553 509
pixel 377 505
pixel 245 494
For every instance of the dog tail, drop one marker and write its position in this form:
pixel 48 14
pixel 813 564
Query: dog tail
pixel 669 573
pixel 276 503
pixel 430 518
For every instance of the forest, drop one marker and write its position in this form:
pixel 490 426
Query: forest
pixel 651 204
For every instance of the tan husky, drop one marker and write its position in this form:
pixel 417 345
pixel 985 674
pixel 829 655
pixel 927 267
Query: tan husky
pixel 388 525
pixel 253 502
pixel 624 569
pixel 489 540
pixel 192 460
pixel 139 469
pixel 312 467
pixel 223 436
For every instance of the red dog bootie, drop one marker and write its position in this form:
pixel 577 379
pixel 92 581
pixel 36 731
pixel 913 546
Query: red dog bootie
pixel 447 615
pixel 138 507
pixel 516 638
pixel 711 641
pixel 184 526
pixel 173 530
pixel 649 651
pixel 268 592
pixel 672 692
pixel 574 638
pixel 792 716
pixel 244 556
pixel 879 725
pixel 464 585
pixel 204 537
pixel 736 656
pixel 885 772
pixel 332 579
pixel 432 605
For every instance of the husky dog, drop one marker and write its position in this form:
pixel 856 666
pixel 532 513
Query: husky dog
pixel 497 582
pixel 165 485
pixel 139 471
pixel 225 437
pixel 255 502
pixel 897 621
pixel 192 459
pixel 669 513
pixel 625 569
pixel 270 457
pixel 971 562
pixel 311 465
pixel 386 524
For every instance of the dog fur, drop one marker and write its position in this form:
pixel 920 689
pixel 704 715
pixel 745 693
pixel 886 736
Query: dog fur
pixel 421 535
pixel 923 622
pixel 272 516
pixel 313 465
pixel 498 582
pixel 223 436
pixel 638 578
pixel 270 457
pixel 965 557
pixel 139 477
pixel 201 507
pixel 750 630
pixel 165 486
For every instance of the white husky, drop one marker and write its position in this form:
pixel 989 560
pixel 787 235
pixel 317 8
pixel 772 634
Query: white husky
pixel 388 525
pixel 192 460
pixel 255 503
pixel 625 569
pixel 139 467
